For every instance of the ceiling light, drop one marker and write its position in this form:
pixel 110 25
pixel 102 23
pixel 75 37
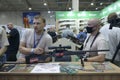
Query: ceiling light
pixel 101 3
pixel 48 11
pixel 29 8
pixel 96 8
pixel 45 4
pixel 70 8
pixel 92 4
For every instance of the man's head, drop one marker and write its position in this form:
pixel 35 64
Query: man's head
pixel 113 20
pixel 93 25
pixel 112 16
pixel 39 24
pixel 10 26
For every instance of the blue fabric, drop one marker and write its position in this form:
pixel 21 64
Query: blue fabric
pixel 82 36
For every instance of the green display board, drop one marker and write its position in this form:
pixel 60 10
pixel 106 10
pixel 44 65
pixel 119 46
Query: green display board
pixel 115 7
pixel 77 15
pixel 79 19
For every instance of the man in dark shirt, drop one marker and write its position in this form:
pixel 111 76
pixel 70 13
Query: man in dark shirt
pixel 53 34
pixel 14 39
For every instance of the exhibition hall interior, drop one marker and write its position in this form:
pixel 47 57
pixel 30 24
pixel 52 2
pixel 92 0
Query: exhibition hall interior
pixel 59 39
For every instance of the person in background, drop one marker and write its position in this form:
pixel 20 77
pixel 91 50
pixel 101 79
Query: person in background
pixel 67 32
pixel 82 35
pixel 3 41
pixel 35 41
pixel 112 34
pixel 95 41
pixel 53 34
pixel 14 39
pixel 75 32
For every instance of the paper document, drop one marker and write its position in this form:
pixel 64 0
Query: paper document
pixel 46 68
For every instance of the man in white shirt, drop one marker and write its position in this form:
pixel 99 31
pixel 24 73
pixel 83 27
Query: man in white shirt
pixel 112 36
pixel 3 41
pixel 95 41
pixel 35 41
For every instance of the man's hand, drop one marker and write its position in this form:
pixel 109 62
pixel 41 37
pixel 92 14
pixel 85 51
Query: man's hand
pixel 38 51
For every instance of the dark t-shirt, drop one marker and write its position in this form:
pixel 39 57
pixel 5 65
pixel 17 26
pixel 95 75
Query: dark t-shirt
pixel 53 35
pixel 14 40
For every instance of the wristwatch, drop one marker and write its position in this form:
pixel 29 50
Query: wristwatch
pixel 32 50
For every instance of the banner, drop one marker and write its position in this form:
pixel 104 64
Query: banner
pixel 28 18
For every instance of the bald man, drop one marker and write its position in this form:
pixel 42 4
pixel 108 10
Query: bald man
pixel 14 40
pixel 95 41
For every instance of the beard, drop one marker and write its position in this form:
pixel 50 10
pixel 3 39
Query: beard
pixel 39 31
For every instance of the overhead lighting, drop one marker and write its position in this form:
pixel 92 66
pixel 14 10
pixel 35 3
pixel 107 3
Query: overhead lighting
pixel 29 8
pixel 96 8
pixel 92 4
pixel 48 11
pixel 101 3
pixel 70 8
pixel 45 4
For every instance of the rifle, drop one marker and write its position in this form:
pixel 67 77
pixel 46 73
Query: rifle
pixel 61 51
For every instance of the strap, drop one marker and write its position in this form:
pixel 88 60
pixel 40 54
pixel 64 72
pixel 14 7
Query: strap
pixel 116 52
pixel 93 39
pixel 35 44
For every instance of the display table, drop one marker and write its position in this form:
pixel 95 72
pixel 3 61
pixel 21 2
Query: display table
pixel 111 72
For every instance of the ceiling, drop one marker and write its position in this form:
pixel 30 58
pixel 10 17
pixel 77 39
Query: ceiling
pixel 52 5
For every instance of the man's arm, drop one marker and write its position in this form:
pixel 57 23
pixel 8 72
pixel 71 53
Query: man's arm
pixel 99 58
pixel 101 45
pixel 23 49
pixel 26 50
